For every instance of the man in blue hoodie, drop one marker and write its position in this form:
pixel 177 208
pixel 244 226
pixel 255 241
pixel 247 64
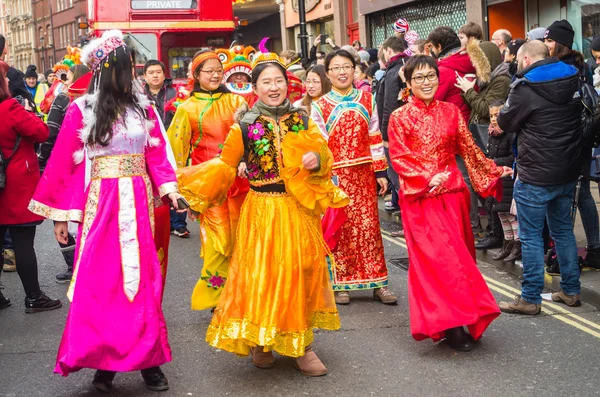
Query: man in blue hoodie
pixel 544 112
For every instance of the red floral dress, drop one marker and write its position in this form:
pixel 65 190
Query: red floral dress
pixel 349 122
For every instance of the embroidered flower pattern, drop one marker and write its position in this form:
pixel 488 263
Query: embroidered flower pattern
pixel 214 281
pixel 253 171
pixel 297 124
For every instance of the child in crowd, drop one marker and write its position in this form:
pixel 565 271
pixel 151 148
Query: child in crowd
pixel 501 151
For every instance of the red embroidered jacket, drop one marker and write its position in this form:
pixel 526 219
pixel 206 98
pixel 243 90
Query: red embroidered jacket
pixel 349 123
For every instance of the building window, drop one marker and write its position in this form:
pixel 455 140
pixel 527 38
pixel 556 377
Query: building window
pixel 49 34
pixel 423 16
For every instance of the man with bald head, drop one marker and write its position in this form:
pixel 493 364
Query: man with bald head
pixel 501 38
pixel 543 110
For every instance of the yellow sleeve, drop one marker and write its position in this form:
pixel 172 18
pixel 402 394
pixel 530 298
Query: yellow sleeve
pixel 313 189
pixel 180 136
pixel 206 185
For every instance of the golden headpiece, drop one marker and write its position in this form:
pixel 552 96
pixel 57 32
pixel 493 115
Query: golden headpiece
pixel 269 57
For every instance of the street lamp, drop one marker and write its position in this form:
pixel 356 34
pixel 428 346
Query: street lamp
pixel 303 34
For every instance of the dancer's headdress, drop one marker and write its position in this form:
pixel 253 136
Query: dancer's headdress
pixel 97 53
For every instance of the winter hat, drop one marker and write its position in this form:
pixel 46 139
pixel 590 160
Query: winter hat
pixel 536 34
pixel 595 46
pixel 514 45
pixel 401 25
pixel 364 56
pixel 31 72
pixel 48 73
pixel 561 32
pixel 373 55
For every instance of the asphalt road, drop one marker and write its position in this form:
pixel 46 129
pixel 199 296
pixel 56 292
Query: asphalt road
pixel 373 354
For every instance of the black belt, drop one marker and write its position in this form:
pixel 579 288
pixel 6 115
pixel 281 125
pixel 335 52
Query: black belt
pixel 272 188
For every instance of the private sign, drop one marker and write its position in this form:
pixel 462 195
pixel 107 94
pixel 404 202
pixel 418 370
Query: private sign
pixel 161 4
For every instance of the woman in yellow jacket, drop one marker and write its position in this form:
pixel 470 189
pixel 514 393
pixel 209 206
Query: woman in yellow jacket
pixel 197 133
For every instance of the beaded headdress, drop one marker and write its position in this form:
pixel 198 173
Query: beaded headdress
pixel 96 53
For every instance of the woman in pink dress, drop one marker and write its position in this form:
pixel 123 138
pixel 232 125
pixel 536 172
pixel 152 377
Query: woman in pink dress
pixel 109 163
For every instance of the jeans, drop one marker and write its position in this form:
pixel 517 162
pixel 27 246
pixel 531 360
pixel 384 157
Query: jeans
pixel 589 215
pixel 178 219
pixel 474 206
pixel 554 203
pixel 7 241
pixel 392 174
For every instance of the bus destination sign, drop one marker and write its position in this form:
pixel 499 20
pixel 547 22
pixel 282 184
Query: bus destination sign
pixel 161 4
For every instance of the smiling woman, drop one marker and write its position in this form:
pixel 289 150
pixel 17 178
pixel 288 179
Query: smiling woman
pixel 278 287
pixel 425 137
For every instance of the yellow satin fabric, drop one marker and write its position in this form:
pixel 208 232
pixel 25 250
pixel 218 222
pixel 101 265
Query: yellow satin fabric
pixel 278 287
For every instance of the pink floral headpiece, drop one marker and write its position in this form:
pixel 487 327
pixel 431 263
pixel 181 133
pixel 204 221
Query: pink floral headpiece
pixel 97 51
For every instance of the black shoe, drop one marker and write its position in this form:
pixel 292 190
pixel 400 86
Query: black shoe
pixel 592 259
pixel 4 302
pixel 155 379
pixel 515 254
pixel 40 303
pixel 488 242
pixel 457 339
pixel 64 278
pixel 507 247
pixel 182 232
pixel 103 380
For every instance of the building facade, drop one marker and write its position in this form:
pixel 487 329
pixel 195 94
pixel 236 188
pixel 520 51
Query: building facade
pixel 4 28
pixel 43 34
pixel 20 23
pixel 66 16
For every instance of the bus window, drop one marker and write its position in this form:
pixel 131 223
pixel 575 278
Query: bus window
pixel 179 60
pixel 144 45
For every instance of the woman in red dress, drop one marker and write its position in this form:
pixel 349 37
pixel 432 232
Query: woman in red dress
pixel 446 289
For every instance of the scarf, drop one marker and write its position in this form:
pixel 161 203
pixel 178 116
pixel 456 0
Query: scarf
pixel 494 131
pixel 275 112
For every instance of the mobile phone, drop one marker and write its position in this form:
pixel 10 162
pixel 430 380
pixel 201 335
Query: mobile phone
pixel 182 203
pixel 324 37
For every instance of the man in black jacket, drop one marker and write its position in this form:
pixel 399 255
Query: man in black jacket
pixel 159 89
pixel 387 100
pixel 544 111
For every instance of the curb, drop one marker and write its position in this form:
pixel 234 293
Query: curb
pixel 589 294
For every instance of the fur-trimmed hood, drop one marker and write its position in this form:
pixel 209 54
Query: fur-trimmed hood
pixel 480 60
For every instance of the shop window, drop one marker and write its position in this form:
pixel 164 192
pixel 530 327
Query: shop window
pixel 584 15
pixel 423 17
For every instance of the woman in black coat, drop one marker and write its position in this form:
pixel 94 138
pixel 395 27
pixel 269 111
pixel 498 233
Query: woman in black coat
pixel 500 149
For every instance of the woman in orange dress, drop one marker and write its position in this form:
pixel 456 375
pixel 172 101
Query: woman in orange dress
pixel 197 133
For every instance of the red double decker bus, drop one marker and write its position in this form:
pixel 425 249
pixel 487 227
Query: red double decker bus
pixel 171 31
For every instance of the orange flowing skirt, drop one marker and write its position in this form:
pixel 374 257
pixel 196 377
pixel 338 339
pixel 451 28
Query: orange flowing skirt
pixel 278 288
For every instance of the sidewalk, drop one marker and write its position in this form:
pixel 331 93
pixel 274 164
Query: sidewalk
pixel 590 279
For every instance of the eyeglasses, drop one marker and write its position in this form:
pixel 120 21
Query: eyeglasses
pixel 212 72
pixel 420 79
pixel 337 69
pixel 313 82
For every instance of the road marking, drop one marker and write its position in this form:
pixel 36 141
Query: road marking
pixel 557 312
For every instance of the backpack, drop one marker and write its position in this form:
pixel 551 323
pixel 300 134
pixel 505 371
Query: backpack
pixel 589 117
pixel 4 162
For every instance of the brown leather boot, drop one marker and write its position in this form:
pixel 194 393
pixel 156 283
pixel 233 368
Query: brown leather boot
pixel 342 298
pixel 520 306
pixel 569 300
pixel 262 359
pixel 515 254
pixel 309 364
pixel 504 251
pixel 385 296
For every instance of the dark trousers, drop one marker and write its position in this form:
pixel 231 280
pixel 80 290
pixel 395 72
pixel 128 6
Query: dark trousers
pixel 7 241
pixel 27 268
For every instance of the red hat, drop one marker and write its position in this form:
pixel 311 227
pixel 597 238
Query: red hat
pixel 80 87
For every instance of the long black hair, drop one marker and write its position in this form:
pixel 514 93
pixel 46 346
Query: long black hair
pixel 114 82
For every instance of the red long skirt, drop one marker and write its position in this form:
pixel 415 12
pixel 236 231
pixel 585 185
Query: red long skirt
pixel 445 287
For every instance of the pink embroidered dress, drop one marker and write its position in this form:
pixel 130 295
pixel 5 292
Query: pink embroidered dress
pixel 115 321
